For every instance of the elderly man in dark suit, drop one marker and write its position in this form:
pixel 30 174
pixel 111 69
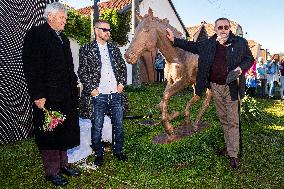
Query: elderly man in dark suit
pixel 221 54
pixel 52 84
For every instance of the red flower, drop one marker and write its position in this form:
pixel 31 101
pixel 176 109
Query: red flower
pixel 52 119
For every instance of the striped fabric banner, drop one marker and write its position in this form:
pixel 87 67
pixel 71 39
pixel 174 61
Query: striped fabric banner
pixel 16 17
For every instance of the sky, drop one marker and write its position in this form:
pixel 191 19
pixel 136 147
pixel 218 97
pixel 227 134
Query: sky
pixel 261 20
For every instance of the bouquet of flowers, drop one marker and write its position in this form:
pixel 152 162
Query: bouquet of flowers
pixel 52 119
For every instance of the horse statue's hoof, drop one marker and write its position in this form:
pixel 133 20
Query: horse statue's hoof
pixel 195 126
pixel 171 138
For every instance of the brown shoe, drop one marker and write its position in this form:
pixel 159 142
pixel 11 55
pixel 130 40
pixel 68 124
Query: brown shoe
pixel 234 163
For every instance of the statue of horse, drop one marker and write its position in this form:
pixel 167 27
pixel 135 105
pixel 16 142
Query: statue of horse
pixel 180 69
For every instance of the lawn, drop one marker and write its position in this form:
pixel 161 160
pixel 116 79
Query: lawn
pixel 189 163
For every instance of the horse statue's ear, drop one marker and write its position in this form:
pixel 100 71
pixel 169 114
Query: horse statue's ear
pixel 150 13
pixel 166 21
pixel 138 16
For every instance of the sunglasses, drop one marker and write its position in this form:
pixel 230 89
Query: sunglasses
pixel 223 27
pixel 105 29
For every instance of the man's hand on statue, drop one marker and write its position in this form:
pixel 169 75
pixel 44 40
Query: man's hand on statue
pixel 170 35
pixel 95 92
pixel 238 69
pixel 40 103
pixel 120 88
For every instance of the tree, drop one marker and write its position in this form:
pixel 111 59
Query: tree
pixel 78 26
pixel 119 23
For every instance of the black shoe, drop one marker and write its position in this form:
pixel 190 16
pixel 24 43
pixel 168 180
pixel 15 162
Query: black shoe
pixel 234 163
pixel 222 152
pixel 121 157
pixel 99 161
pixel 57 180
pixel 70 172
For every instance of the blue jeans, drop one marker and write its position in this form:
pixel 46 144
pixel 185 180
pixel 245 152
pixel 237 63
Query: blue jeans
pixel 270 81
pixel 282 86
pixel 109 104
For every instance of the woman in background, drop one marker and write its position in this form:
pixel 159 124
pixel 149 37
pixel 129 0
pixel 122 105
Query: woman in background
pixel 261 77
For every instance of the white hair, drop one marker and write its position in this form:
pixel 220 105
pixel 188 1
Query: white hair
pixel 53 8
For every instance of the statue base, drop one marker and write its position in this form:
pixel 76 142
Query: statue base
pixel 179 133
pixel 149 122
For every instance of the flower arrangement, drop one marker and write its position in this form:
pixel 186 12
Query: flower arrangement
pixel 52 119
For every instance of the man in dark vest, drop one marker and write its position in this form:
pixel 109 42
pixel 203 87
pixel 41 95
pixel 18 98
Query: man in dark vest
pixel 218 56
pixel 52 84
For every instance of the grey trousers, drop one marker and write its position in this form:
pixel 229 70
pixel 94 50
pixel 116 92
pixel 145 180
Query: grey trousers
pixel 228 114
pixel 53 160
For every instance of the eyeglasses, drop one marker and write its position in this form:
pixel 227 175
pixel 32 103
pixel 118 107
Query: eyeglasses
pixel 223 27
pixel 105 29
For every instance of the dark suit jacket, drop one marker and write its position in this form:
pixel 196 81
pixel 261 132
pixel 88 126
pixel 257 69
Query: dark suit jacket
pixel 89 73
pixel 237 54
pixel 49 72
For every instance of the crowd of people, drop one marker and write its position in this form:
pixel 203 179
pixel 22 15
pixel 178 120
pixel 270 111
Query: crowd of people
pixel 263 78
pixel 52 83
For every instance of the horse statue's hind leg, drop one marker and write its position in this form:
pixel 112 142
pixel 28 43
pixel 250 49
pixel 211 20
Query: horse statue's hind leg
pixel 201 111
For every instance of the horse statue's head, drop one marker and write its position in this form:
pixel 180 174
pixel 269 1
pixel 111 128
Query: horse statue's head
pixel 148 34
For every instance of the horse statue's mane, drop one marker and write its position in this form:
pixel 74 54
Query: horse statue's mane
pixel 165 24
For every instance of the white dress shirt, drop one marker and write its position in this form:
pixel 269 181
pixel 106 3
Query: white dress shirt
pixel 108 82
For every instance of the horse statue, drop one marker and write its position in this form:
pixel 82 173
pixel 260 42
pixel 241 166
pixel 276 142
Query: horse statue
pixel 180 69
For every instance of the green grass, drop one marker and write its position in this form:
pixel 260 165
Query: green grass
pixel 188 163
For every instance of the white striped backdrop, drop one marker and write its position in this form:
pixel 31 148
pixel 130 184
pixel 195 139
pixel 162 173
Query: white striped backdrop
pixel 16 17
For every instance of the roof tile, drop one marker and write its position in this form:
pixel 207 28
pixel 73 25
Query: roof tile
pixel 112 4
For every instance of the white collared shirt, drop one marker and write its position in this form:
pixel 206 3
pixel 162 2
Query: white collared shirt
pixel 108 83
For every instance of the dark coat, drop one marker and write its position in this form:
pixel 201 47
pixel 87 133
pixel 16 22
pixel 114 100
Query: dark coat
pixel 49 72
pixel 89 73
pixel 237 54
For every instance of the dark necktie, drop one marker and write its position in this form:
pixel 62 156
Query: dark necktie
pixel 58 34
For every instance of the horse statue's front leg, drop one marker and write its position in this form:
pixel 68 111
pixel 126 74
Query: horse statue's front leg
pixel 165 115
pixel 169 92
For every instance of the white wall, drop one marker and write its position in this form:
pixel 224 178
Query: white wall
pixel 75 53
pixel 128 66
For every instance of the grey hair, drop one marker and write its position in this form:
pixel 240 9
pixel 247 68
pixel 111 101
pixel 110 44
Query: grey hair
pixel 54 8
